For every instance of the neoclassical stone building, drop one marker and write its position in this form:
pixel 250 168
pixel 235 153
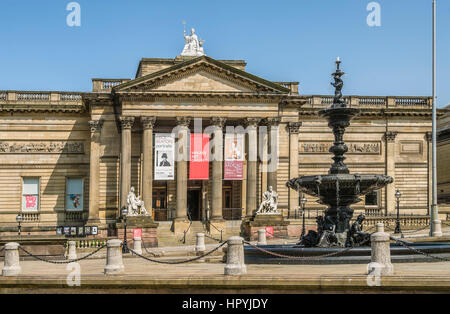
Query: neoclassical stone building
pixel 70 158
pixel 444 158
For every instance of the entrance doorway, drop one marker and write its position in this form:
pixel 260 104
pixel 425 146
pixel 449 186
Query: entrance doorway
pixel 194 201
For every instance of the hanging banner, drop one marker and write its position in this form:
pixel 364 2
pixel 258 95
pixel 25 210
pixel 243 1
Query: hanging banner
pixel 199 162
pixel 234 157
pixel 164 156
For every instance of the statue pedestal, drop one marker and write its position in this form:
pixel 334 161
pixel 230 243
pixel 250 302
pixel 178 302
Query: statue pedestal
pixel 149 234
pixel 261 221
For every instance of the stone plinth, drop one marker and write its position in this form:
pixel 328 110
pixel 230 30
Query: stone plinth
pixel 149 230
pixel 261 221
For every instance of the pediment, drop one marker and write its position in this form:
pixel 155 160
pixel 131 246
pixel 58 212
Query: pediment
pixel 204 75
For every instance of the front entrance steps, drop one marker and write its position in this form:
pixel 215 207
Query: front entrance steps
pixel 167 238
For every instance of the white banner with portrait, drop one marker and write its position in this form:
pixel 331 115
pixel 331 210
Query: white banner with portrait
pixel 164 156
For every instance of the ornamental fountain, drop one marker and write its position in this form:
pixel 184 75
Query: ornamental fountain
pixel 338 189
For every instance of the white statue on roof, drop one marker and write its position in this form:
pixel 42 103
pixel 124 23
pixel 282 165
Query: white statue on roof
pixel 193 46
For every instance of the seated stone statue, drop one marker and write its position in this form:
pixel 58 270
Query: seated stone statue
pixel 269 205
pixel 357 236
pixel 135 205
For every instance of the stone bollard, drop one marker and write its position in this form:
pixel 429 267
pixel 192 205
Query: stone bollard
pixel 200 247
pixel 261 237
pixel 72 250
pixel 114 264
pixel 137 245
pixel 11 265
pixel 381 253
pixel 235 257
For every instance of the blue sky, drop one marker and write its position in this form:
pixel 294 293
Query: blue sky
pixel 283 40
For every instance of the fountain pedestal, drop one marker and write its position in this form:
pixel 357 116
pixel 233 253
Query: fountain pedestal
pixel 251 225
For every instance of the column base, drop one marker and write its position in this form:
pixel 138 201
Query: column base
pixel 180 225
pixel 436 229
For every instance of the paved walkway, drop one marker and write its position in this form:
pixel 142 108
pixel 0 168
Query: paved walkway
pixel 146 277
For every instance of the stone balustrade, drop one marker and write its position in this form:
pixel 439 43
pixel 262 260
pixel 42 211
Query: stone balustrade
pixel 394 102
pixel 293 86
pixel 41 101
pixel 105 85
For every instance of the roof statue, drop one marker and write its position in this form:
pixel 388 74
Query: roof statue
pixel 193 46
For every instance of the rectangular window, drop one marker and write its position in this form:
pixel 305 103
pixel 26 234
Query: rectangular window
pixel 30 194
pixel 74 194
pixel 372 199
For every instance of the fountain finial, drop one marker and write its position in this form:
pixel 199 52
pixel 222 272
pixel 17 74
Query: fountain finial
pixel 339 101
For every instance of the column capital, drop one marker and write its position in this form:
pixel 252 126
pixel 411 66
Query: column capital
pixel 429 136
pixel 253 122
pixel 183 121
pixel 294 127
pixel 95 125
pixel 390 136
pixel 272 122
pixel 126 122
pixel 218 122
pixel 148 122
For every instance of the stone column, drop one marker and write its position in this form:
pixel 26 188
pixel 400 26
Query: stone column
pixel 147 165
pixel 217 169
pixel 294 130
pixel 272 162
pixel 125 159
pixel 181 221
pixel 94 172
pixel 390 171
pixel 252 164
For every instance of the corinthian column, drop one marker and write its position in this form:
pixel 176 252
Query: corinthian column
pixel 182 158
pixel 217 170
pixel 272 166
pixel 390 171
pixel 252 164
pixel 294 130
pixel 147 165
pixel 125 159
pixel 94 171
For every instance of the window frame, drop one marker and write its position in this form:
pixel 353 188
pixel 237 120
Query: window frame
pixel 23 178
pixel 82 195
pixel 379 201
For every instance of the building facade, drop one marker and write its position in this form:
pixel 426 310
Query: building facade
pixel 443 155
pixel 70 158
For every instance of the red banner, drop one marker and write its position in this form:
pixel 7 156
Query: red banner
pixel 199 162
pixel 234 157
pixel 137 233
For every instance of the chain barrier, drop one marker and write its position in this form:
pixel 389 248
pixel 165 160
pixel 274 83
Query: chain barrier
pixel 212 238
pixel 62 262
pixel 302 258
pixel 147 251
pixel 178 262
pixel 404 244
pixel 448 225
pixel 417 230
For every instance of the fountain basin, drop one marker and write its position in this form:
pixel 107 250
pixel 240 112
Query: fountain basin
pixel 359 255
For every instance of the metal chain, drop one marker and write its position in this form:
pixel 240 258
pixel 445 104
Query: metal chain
pixel 302 258
pixel 445 224
pixel 62 262
pixel 178 262
pixel 147 251
pixel 417 230
pixel 402 243
pixel 212 238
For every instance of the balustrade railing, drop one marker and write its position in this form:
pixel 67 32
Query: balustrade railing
pixel 320 101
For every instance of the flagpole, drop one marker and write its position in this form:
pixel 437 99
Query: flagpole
pixel 434 219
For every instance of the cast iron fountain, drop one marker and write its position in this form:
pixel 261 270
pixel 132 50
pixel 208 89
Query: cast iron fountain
pixel 339 189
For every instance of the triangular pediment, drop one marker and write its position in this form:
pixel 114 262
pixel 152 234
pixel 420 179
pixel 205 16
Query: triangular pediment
pixel 204 75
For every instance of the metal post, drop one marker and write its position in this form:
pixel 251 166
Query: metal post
pixel 398 229
pixel 125 244
pixel 434 221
